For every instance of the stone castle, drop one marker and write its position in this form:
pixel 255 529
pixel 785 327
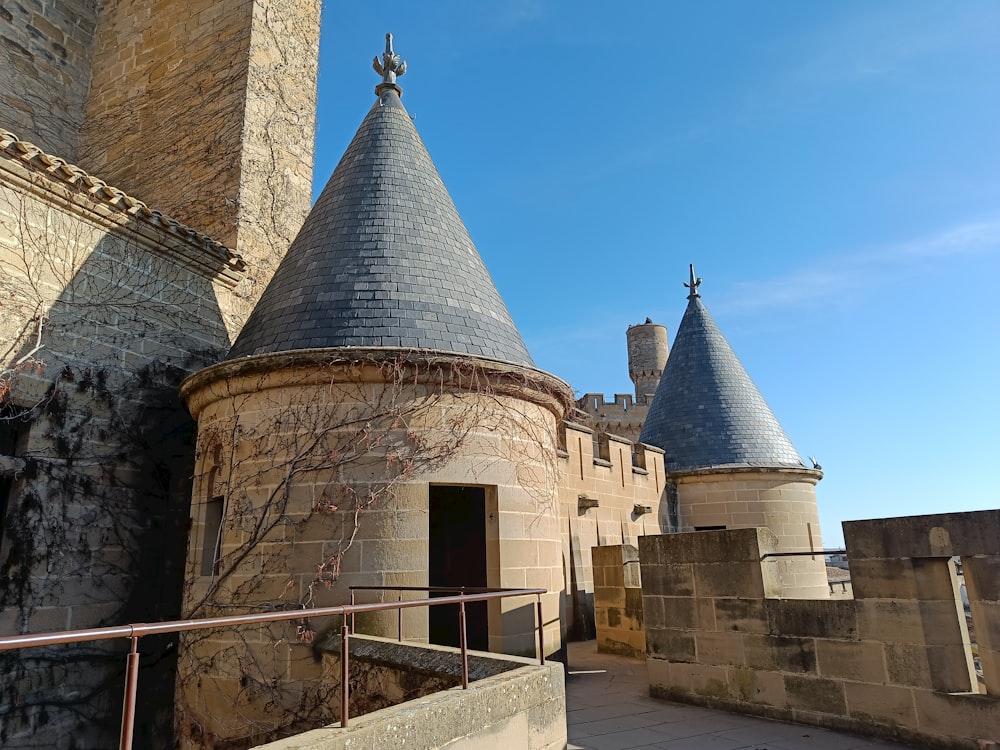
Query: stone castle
pixel 365 409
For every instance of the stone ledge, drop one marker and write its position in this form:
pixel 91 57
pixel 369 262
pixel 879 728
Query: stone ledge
pixel 523 706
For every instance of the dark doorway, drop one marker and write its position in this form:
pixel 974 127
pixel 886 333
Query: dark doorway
pixel 458 558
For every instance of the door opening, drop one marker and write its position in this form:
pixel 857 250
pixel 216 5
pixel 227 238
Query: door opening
pixel 458 558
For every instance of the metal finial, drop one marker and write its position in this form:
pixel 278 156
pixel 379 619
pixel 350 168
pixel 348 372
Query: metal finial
pixel 695 283
pixel 390 66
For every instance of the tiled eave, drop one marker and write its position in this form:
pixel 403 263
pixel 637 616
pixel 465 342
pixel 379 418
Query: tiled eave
pixel 24 160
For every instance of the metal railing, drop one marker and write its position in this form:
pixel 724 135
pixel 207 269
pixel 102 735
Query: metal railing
pixel 464 591
pixel 136 631
pixel 805 553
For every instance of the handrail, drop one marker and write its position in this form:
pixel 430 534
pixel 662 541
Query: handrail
pixel 461 614
pixel 803 553
pixel 135 631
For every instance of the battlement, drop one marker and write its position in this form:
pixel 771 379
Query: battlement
pixel 624 416
pixel 897 660
pixel 624 406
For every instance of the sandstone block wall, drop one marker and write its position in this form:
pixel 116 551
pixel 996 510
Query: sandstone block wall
pixel 782 501
pixel 894 662
pixel 618 600
pixel 45 51
pixel 510 702
pixel 203 109
pixel 598 494
pixel 206 110
pixel 103 308
pixel 622 417
pixel 323 467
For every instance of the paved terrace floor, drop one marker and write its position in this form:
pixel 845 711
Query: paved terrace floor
pixel 608 707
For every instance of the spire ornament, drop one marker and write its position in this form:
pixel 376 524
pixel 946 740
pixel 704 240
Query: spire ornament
pixel 695 283
pixel 389 67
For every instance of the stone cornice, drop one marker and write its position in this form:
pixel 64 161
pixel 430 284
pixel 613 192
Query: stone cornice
pixel 809 475
pixel 367 364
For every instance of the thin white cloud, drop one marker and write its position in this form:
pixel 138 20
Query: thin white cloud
pixel 884 41
pixel 513 14
pixel 841 276
pixel 966 239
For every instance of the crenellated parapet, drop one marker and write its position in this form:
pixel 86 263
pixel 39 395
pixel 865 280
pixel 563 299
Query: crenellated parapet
pixel 624 415
pixel 913 657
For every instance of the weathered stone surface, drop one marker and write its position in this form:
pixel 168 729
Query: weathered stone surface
pixel 780 653
pixel 821 619
pixel 742 615
pixel 45 70
pixel 521 706
pixel 941 535
pixel 815 694
pixel 862 661
pixel 673 645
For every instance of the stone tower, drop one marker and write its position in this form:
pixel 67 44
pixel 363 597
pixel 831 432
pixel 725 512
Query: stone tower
pixel 130 130
pixel 379 421
pixel 647 356
pixel 203 109
pixel 624 417
pixel 728 462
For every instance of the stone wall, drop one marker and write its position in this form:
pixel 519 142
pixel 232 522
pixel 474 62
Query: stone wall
pixel 894 662
pixel 618 600
pixel 321 464
pixel 203 109
pixel 782 500
pixel 45 50
pixel 206 109
pixel 622 417
pixel 104 307
pixel 609 494
pixel 510 702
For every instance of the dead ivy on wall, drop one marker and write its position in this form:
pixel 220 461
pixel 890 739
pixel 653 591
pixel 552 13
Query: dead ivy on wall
pixel 98 332
pixel 321 460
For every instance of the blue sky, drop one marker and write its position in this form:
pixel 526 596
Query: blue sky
pixel 832 170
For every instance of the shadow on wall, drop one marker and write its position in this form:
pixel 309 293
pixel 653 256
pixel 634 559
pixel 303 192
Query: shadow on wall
pixel 105 313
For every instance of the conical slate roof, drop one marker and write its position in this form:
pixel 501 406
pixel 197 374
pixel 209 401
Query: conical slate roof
pixel 383 259
pixel 707 412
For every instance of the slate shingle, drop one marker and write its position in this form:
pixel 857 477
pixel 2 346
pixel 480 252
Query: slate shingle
pixel 382 245
pixel 707 411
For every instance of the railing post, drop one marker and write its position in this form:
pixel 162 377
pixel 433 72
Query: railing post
pixel 541 632
pixel 399 618
pixel 463 642
pixel 131 682
pixel 345 671
pixel 352 610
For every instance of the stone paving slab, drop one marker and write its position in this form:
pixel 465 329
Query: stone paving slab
pixel 608 707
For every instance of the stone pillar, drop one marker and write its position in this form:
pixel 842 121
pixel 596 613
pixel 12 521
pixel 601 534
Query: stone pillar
pixel 618 600
pixel 907 593
pixel 45 71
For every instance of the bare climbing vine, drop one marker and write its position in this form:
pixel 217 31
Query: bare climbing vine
pixel 298 485
pixel 98 329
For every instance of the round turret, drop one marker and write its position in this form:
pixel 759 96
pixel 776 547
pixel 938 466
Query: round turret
pixel 647 356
